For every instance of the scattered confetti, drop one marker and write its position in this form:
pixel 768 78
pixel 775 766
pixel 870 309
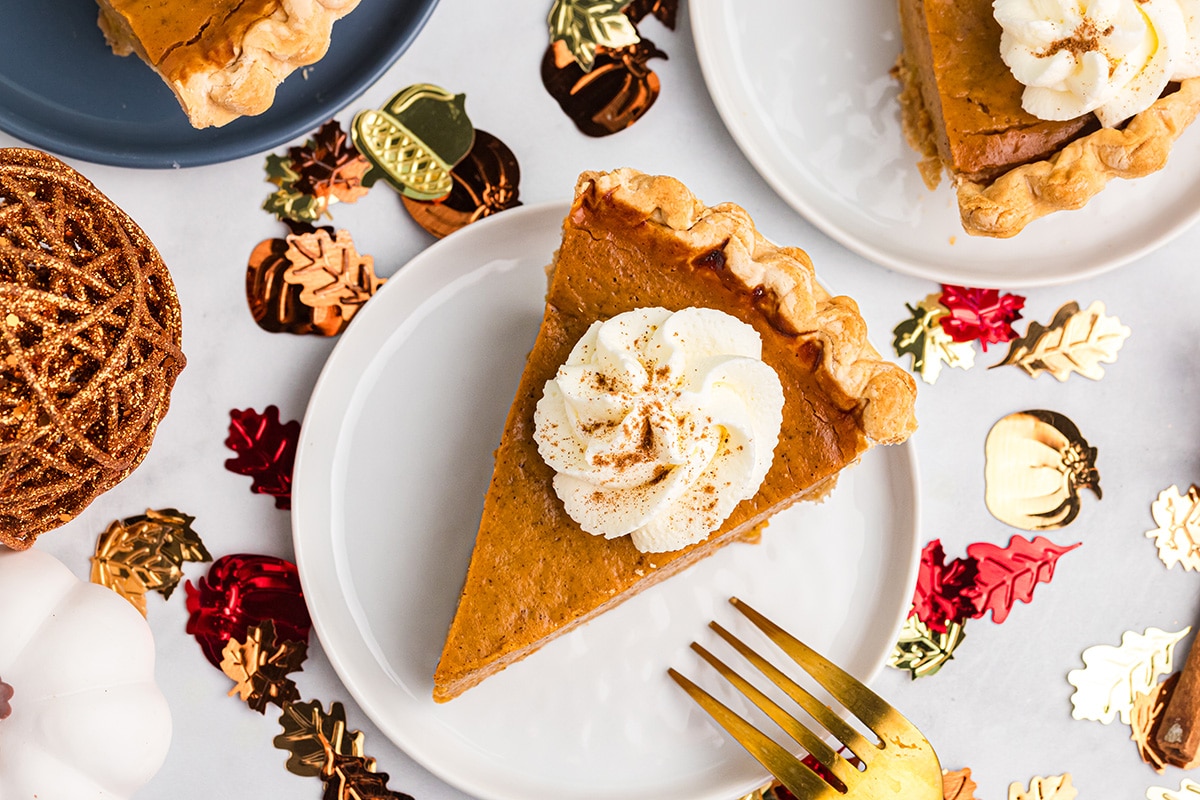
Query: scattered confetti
pixel 941 596
pixel 585 25
pixel 145 553
pixel 484 183
pixel 618 91
pixel 980 314
pixel 957 784
pixel 923 652
pixel 1054 787
pixel 287 202
pixel 1188 790
pixel 1036 464
pixel 260 665
pixel 1177 536
pixel 664 11
pixel 266 451
pixel 922 337
pixel 1144 719
pixel 1006 575
pixel 275 304
pixel 1113 676
pixel 329 167
pixel 1075 341
pixel 240 592
pixel 330 271
pixel 416 139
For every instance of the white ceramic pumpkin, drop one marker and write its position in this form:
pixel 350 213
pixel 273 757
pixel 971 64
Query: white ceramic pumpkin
pixel 87 719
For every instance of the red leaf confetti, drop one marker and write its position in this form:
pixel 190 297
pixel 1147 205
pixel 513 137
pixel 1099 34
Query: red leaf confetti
pixel 242 591
pixel 1009 574
pixel 943 592
pixel 266 451
pixel 982 314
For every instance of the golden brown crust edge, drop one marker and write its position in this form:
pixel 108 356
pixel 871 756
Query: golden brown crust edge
pixel 883 393
pixel 295 35
pixel 1075 174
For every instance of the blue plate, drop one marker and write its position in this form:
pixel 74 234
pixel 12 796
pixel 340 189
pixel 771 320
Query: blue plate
pixel 63 90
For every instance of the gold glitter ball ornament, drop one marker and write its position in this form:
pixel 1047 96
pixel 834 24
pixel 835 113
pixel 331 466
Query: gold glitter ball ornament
pixel 89 344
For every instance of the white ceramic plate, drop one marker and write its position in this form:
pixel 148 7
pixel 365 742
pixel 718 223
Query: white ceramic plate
pixel 807 96
pixel 394 460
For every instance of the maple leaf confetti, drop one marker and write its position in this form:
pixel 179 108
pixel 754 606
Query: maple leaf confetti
pixel 314 739
pixel 329 165
pixel 266 451
pixel 259 667
pixel 1075 341
pixel 1054 787
pixel 1006 575
pixel 957 784
pixel 1177 536
pixel 584 25
pixel 980 314
pixel 941 596
pixel 1188 790
pixel 923 652
pixel 355 778
pixel 922 337
pixel 145 553
pixel 1113 676
pixel 330 271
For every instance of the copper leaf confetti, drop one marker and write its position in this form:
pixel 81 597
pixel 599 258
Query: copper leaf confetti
pixel 313 738
pixel 330 271
pixel 145 553
pixel 355 778
pixel 259 667
pixel 957 784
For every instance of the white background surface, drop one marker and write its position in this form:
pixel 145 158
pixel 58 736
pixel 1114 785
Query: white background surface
pixel 1001 707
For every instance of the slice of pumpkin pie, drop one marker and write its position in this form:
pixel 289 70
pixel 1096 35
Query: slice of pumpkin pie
pixel 689 380
pixel 222 58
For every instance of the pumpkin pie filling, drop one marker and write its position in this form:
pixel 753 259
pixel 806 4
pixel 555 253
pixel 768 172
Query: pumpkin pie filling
pixel 634 241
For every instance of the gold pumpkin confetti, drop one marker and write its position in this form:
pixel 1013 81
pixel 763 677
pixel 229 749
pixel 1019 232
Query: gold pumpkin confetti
pixel 145 553
pixel 1177 536
pixel 1075 341
pixel 922 337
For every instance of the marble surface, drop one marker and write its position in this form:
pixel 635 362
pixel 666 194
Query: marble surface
pixel 1000 707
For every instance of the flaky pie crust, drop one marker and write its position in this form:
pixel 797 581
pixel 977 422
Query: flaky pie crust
pixel 1073 175
pixel 297 33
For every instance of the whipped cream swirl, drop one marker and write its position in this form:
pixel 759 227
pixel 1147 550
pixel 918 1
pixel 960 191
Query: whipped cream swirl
pixel 659 423
pixel 1113 57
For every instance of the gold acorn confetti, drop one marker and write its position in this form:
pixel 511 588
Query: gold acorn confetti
pixel 1112 677
pixel 1188 790
pixel 145 553
pixel 416 139
pixel 922 337
pixel 584 25
pixel 1075 341
pixel 259 667
pixel 1053 787
pixel 1177 536
pixel 1037 462
pixel 922 651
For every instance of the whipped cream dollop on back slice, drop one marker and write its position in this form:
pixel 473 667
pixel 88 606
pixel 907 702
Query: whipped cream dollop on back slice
pixel 1113 57
pixel 659 424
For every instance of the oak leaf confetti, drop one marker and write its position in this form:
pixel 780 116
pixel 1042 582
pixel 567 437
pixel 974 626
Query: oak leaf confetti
pixel 1075 341
pixel 1112 676
pixel 1054 787
pixel 1188 790
pixel 259 667
pixel 957 784
pixel 314 739
pixel 584 25
pixel 329 165
pixel 982 314
pixel 355 778
pixel 1177 536
pixel 266 451
pixel 923 652
pixel 1008 574
pixel 145 553
pixel 922 337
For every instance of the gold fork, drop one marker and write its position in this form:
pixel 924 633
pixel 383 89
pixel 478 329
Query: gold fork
pixel 902 765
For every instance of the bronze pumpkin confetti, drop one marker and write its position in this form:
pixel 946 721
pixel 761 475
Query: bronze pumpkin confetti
pixel 145 553
pixel 923 337
pixel 1037 463
pixel 266 451
pixel 616 93
pixel 486 182
pixel 260 665
pixel 275 303
pixel 1075 341
pixel 416 139
pixel 1177 536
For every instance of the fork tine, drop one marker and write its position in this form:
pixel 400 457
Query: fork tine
pixel 791 772
pixel 869 707
pixel 824 715
pixel 836 764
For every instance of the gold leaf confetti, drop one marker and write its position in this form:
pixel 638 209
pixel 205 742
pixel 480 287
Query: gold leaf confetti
pixel 1113 676
pixel 1075 341
pixel 584 25
pixel 922 337
pixel 1037 462
pixel 1177 536
pixel 259 667
pixel 922 651
pixel 1054 787
pixel 313 738
pixel 145 553
pixel 1188 790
